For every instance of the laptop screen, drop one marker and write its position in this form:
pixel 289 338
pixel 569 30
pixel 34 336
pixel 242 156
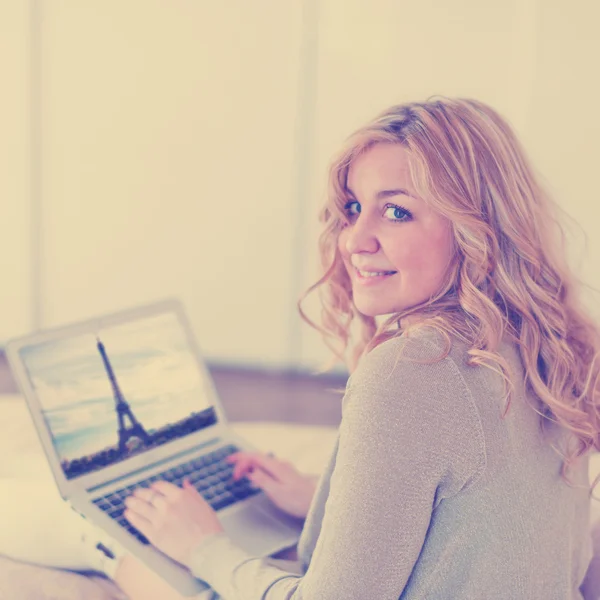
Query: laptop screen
pixel 120 391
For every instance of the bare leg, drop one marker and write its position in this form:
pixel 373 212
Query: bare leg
pixel 140 583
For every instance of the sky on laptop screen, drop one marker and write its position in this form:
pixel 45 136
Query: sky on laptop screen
pixel 109 395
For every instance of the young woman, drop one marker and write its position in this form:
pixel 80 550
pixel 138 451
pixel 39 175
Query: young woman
pixel 461 464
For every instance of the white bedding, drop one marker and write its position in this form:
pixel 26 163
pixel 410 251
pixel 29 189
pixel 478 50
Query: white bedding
pixel 307 447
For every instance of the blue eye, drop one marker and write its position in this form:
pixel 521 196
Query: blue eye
pixel 397 213
pixel 349 210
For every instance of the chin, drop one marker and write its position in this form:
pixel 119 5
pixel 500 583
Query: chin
pixel 374 309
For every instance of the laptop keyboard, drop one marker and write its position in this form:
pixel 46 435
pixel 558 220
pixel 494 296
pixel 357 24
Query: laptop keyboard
pixel 210 475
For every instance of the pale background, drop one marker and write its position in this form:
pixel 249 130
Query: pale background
pixel 153 148
pixel 156 148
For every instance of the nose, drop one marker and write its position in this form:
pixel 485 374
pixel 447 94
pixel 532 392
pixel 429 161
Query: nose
pixel 361 238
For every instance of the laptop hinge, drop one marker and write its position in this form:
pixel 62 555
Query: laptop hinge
pixel 153 465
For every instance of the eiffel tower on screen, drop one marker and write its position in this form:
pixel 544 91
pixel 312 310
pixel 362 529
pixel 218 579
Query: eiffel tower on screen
pixel 122 407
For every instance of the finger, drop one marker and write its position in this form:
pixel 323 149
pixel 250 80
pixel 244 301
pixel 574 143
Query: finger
pixel 234 456
pixel 189 488
pixel 168 490
pixel 275 467
pixel 146 494
pixel 151 497
pixel 241 467
pixel 264 481
pixel 278 469
pixel 242 461
pixel 238 458
pixel 139 522
pixel 140 507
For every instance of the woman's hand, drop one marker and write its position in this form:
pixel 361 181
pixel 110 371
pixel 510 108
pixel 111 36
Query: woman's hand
pixel 174 519
pixel 288 489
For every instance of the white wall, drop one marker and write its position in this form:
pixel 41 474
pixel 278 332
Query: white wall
pixel 184 144
pixel 15 165
pixel 563 126
pixel 534 61
pixel 168 145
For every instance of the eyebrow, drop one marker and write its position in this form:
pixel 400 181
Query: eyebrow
pixel 386 193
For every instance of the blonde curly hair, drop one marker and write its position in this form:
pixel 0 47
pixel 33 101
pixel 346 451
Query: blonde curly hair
pixel 510 277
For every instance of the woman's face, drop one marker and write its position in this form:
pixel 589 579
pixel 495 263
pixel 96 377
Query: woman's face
pixel 396 248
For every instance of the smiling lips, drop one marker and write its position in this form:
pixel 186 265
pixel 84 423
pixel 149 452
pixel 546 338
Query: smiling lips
pixel 366 277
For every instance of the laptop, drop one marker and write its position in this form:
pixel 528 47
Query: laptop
pixel 123 400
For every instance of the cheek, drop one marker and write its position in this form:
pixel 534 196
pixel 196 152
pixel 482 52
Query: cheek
pixel 341 244
pixel 424 256
pixel 407 256
pixel 443 248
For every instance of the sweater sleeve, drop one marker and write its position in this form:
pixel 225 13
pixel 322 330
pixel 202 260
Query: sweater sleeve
pixel 410 436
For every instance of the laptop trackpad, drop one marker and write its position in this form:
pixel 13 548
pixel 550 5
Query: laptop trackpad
pixel 254 530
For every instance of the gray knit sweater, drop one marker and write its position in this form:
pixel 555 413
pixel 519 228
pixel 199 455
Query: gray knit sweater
pixel 428 494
